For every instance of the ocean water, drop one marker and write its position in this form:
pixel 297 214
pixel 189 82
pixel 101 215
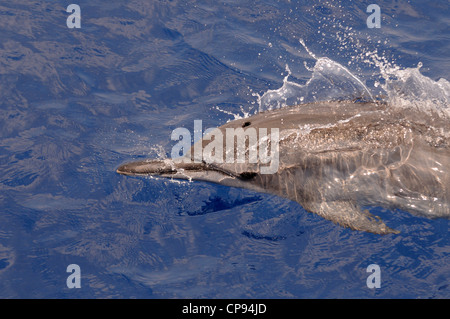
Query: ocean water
pixel 78 102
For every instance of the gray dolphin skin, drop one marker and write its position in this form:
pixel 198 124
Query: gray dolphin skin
pixel 334 158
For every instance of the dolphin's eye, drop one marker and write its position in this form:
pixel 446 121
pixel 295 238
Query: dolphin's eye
pixel 247 175
pixel 246 124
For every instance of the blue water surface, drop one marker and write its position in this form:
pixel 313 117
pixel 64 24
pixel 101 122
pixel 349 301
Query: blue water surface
pixel 77 103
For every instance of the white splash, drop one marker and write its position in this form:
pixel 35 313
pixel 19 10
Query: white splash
pixel 330 81
pixel 408 88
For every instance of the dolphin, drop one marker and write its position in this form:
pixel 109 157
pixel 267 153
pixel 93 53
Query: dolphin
pixel 334 158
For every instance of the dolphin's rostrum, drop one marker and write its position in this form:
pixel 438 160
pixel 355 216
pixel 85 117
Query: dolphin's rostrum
pixel 336 157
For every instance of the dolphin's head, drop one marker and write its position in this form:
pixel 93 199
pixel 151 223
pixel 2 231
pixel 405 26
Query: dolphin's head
pixel 235 154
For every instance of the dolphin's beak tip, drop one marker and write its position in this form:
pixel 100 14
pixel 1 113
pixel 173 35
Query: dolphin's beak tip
pixel 146 167
pixel 123 169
